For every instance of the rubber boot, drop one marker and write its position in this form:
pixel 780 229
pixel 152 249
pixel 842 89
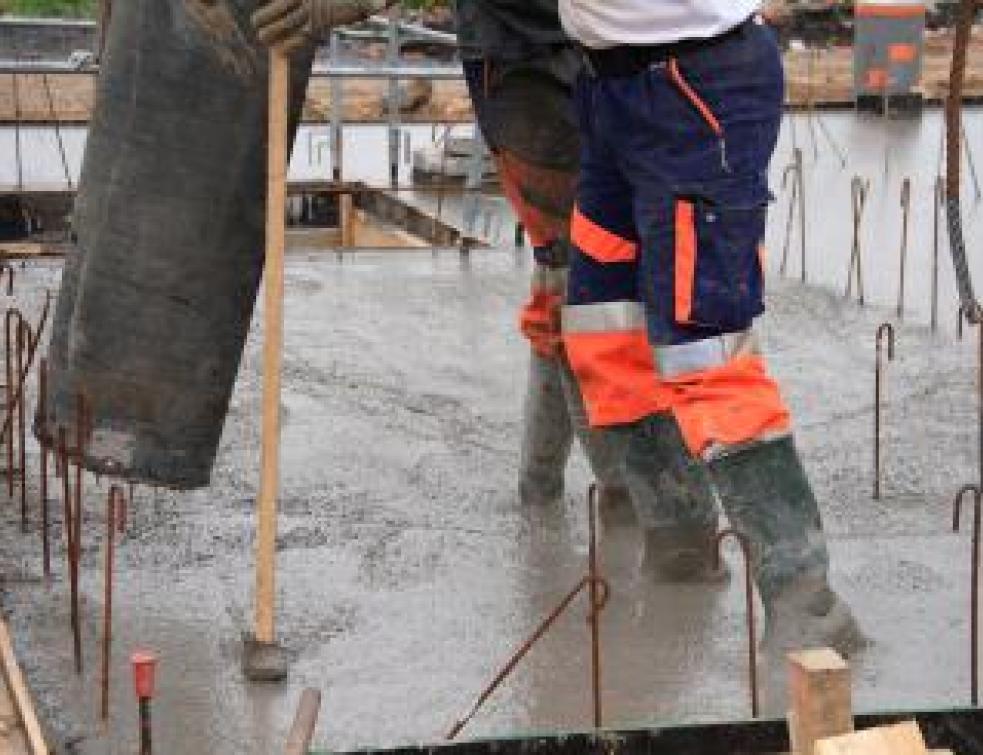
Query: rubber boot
pixel 547 434
pixel 605 451
pixel 674 503
pixel 767 496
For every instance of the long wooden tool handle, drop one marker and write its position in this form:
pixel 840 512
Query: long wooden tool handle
pixel 276 198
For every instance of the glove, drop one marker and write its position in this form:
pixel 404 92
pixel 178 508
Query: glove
pixel 539 322
pixel 291 24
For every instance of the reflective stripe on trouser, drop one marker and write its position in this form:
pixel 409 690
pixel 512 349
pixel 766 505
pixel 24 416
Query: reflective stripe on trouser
pixel 718 388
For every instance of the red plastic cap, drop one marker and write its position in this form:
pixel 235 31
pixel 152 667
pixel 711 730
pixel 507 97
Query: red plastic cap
pixel 144 665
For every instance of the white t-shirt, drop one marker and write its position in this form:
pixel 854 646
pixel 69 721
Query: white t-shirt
pixel 606 23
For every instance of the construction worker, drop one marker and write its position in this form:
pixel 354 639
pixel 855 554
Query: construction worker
pixel 680 106
pixel 520 69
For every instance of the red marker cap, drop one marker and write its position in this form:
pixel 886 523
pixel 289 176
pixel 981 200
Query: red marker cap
pixel 144 665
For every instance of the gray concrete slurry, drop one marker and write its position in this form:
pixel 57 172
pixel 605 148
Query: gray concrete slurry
pixel 408 570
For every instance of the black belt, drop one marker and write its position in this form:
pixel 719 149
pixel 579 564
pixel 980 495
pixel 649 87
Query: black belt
pixel 628 60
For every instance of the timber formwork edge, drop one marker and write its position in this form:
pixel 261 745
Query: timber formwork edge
pixel 13 679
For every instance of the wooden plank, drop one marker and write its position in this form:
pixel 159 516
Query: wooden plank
pixel 302 730
pixel 17 687
pixel 819 693
pixel 903 739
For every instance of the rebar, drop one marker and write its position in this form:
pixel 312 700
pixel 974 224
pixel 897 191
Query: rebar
pixel 6 267
pixel 57 124
pixel 23 333
pixel 18 157
pixel 905 220
pixel 938 202
pixel 859 188
pixel 752 643
pixel 886 329
pixel 598 594
pixel 114 499
pixel 974 631
pixel 43 442
pixel 793 170
pixel 31 351
pixel 71 549
pixel 800 173
pixel 971 162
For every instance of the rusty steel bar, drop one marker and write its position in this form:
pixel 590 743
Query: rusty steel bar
pixel 11 317
pixel 859 189
pixel 43 483
pixel 971 162
pixel 801 175
pixel 22 424
pixel 938 203
pixel 599 592
pixel 22 378
pixel 745 544
pixel 974 622
pixel 6 267
pixel 594 617
pixel 888 330
pixel 114 499
pixel 790 170
pixel 905 221
pixel 72 549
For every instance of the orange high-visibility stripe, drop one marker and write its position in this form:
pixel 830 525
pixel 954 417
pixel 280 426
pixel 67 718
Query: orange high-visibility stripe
pixel 616 375
pixel 869 10
pixel 902 53
pixel 685 260
pixel 694 98
pixel 598 242
pixel 730 405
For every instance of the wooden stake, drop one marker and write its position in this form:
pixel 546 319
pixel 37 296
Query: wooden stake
pixel 276 197
pixel 819 692
pixel 302 730
pixel 18 690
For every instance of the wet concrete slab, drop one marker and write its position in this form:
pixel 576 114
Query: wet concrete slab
pixel 408 571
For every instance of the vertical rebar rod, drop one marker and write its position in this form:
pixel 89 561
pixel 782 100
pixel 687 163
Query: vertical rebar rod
pixel 790 170
pixel 71 548
pixel 938 199
pixel 57 124
pixel 115 495
pixel 21 424
pixel 858 195
pixel 337 111
pixel 972 163
pixel 8 436
pixel 43 441
pixel 888 330
pixel 752 643
pixel 392 51
pixel 595 620
pixel 18 157
pixel 145 727
pixel 974 626
pixel 800 172
pixel 905 219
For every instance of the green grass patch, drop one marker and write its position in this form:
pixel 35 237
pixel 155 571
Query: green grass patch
pixel 61 8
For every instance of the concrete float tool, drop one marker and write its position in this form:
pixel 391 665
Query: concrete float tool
pixel 263 658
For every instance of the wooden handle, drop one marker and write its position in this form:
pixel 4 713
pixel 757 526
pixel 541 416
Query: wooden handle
pixel 276 198
pixel 302 731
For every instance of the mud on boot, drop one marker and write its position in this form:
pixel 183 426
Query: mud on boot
pixel 682 555
pixel 806 614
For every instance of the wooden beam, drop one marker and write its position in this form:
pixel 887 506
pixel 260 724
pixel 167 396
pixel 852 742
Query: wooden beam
pixel 19 692
pixel 302 730
pixel 346 219
pixel 819 693
pixel 903 739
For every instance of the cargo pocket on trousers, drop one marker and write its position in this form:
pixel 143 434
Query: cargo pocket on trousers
pixel 718 272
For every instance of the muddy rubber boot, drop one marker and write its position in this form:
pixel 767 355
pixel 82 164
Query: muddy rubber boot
pixel 547 434
pixel 674 504
pixel 767 496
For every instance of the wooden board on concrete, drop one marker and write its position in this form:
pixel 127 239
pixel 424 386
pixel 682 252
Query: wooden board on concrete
pixel 15 698
pixel 819 693
pixel 902 739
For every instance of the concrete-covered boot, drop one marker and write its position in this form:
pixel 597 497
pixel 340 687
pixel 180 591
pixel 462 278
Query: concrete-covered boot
pixel 547 434
pixel 767 496
pixel 674 503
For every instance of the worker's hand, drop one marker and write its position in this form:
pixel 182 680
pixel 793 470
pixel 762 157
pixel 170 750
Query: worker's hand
pixel 291 24
pixel 539 322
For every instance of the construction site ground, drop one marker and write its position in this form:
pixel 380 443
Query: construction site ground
pixel 815 77
pixel 408 569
